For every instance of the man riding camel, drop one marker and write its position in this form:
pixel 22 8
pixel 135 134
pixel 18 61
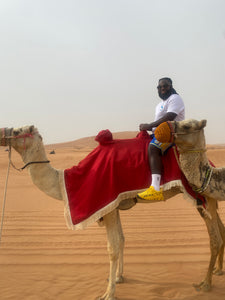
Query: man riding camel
pixel 170 108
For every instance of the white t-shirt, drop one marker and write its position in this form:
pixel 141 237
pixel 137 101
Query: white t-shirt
pixel 173 104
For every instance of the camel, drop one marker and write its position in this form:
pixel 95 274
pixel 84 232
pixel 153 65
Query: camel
pixel 28 143
pixel 188 135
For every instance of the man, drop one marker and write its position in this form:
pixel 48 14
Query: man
pixel 170 108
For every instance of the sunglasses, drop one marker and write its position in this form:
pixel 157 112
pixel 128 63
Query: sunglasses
pixel 162 86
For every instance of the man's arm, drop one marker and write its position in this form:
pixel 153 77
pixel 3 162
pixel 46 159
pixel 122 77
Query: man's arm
pixel 170 116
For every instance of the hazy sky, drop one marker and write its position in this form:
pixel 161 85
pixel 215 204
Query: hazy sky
pixel 73 68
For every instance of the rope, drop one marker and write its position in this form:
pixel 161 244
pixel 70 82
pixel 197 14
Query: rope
pixel 30 163
pixel 4 199
pixel 206 181
pixel 6 183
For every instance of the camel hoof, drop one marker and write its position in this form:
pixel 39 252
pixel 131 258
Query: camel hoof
pixel 218 272
pixel 119 279
pixel 203 286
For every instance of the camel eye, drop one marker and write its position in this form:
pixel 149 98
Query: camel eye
pixel 16 132
pixel 31 128
pixel 186 127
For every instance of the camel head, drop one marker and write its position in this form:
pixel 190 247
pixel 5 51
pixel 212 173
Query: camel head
pixel 187 134
pixel 21 139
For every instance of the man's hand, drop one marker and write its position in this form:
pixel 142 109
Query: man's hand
pixel 145 127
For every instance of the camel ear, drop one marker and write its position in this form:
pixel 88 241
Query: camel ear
pixel 202 124
pixel 31 128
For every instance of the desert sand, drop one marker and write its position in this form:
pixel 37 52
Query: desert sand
pixel 166 247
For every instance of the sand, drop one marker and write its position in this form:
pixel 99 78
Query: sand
pixel 166 247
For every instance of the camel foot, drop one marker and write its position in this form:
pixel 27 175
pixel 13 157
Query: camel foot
pixel 203 286
pixel 218 272
pixel 119 279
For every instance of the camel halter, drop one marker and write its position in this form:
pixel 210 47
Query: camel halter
pixel 173 130
pixel 4 139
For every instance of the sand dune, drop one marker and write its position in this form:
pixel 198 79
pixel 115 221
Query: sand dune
pixel 89 142
pixel 166 249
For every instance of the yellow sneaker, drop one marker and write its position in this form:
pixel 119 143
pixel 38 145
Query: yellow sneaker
pixel 151 194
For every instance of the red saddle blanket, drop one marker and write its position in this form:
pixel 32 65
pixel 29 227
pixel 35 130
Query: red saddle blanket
pixel 106 176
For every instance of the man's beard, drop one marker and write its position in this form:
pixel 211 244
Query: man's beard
pixel 167 94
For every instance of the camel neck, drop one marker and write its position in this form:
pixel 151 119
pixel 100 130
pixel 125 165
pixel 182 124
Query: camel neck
pixel 44 176
pixel 195 167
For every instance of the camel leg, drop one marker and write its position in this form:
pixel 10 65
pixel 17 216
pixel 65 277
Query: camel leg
pixel 219 267
pixel 119 273
pixel 112 222
pixel 215 243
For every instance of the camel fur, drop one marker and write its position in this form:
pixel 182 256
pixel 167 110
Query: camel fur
pixel 28 143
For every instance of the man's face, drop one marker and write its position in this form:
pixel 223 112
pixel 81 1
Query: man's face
pixel 163 88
